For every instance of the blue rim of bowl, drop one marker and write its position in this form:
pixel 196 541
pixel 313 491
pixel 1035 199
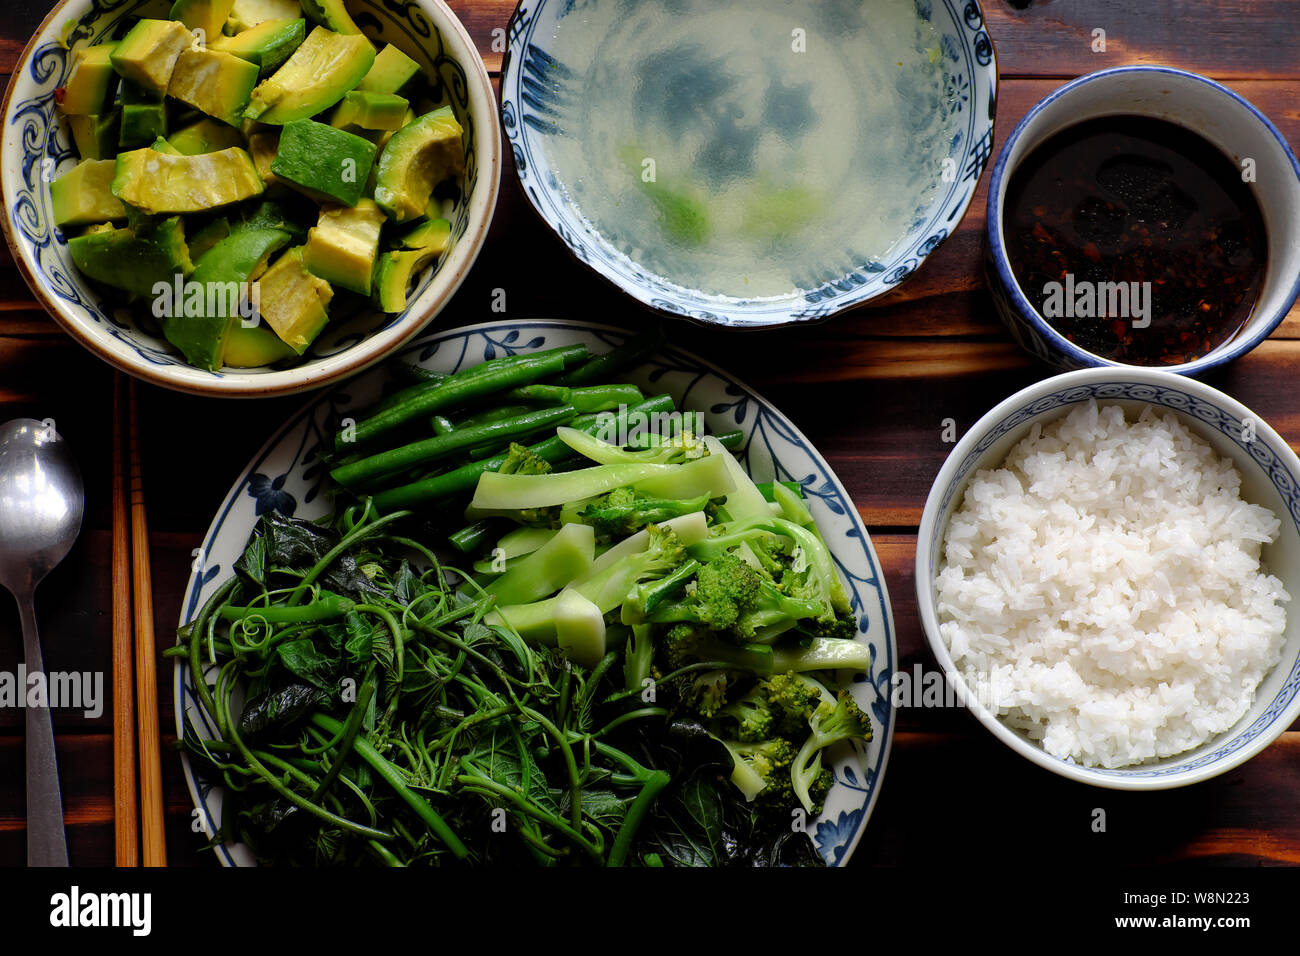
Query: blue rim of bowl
pixel 901 268
pixel 1059 393
pixel 1026 311
pixel 200 575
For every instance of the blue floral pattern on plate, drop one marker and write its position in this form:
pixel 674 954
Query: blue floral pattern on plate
pixel 289 465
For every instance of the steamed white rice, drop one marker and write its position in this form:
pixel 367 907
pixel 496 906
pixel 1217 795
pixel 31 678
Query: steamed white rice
pixel 1102 589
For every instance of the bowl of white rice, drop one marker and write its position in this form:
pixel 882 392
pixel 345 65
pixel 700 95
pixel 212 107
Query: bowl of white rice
pixel 1105 571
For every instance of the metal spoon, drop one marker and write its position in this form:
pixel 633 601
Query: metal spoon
pixel 41 502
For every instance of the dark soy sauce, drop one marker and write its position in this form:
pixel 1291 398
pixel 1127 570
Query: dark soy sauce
pixel 1135 200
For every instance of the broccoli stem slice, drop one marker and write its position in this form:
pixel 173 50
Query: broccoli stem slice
pixel 823 653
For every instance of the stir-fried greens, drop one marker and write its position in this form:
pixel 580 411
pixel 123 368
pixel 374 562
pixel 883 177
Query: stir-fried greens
pixel 636 656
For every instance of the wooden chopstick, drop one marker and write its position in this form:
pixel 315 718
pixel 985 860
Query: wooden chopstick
pixel 153 843
pixel 125 806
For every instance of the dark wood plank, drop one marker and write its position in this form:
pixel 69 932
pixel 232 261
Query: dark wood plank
pixel 950 799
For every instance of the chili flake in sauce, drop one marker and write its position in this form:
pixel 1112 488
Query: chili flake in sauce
pixel 1128 199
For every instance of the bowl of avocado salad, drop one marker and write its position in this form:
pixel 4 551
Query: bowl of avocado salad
pixel 247 197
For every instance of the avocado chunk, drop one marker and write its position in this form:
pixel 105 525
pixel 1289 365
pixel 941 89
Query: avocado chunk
pixel 268 44
pixel 205 136
pixel 90 85
pixel 206 15
pixel 134 262
pixel 324 161
pixel 208 306
pixel 83 195
pixel 331 14
pixel 155 182
pixel 254 346
pixel 147 54
pixel 370 111
pixel 313 79
pixel 293 301
pixel 342 246
pixel 391 72
pixel 144 117
pixel 217 83
pixel 433 233
pixel 161 145
pixel 247 14
pixel 262 146
pixel 207 237
pixel 394 273
pixel 96 136
pixel 417 158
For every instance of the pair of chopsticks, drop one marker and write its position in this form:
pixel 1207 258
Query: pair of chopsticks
pixel 135 675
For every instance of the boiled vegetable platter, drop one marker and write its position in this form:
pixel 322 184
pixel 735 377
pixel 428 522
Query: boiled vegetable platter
pixel 288 476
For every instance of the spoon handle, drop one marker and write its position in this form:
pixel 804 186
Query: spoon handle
pixel 47 845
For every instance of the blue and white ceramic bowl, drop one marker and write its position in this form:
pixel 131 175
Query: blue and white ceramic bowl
pixel 37 148
pixel 1222 117
pixel 1270 477
pixel 288 476
pixel 535 107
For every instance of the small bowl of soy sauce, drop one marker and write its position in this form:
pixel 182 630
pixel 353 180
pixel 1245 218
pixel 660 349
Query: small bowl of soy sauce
pixel 1144 216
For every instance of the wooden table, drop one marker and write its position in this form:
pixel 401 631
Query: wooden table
pixel 870 389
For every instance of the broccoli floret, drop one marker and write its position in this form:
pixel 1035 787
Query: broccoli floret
pixel 646 597
pixel 794 700
pixel 725 588
pixel 761 770
pixel 622 511
pixel 830 724
pixel 782 704
pixel 522 461
pixel 753 715
pixel 686 644
pixel 707 693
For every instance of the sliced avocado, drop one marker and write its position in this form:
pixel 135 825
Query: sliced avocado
pixel 331 14
pixel 147 54
pixel 324 161
pixel 433 234
pixel 144 117
pixel 215 291
pixel 83 195
pixel 217 83
pixel 268 44
pixel 162 146
pixel 262 146
pixel 205 136
pixel 370 111
pixel 391 71
pixel 254 346
pixel 394 273
pixel 293 301
pixel 154 182
pixel 90 85
pixel 271 215
pixel 246 14
pixel 207 237
pixel 416 159
pixel 96 136
pixel 206 15
pixel 313 79
pixel 342 246
pixel 136 263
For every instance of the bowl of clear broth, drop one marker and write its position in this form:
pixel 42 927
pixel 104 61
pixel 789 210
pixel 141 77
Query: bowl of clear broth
pixel 750 164
pixel 1143 216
